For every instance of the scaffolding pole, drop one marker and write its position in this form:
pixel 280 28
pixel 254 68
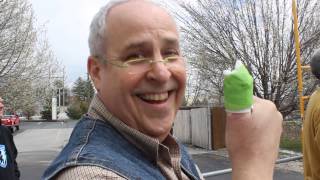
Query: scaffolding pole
pixel 298 54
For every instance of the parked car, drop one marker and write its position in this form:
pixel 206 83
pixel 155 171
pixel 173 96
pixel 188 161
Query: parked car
pixel 11 121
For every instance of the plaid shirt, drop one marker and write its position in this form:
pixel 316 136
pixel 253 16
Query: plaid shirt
pixel 165 154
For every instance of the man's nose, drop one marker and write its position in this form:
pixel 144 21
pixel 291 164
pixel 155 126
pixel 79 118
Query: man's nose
pixel 159 71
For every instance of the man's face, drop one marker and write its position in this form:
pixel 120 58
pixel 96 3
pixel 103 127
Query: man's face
pixel 146 100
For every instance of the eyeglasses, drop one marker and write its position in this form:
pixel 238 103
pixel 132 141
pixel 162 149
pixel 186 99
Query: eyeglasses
pixel 144 64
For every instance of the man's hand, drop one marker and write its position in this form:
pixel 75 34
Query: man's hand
pixel 252 141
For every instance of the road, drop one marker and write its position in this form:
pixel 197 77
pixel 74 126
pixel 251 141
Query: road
pixel 38 144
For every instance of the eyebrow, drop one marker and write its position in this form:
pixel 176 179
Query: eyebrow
pixel 136 44
pixel 170 41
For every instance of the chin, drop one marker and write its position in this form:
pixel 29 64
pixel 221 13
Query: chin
pixel 159 132
pixel 161 136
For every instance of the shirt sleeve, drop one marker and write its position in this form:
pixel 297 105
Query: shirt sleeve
pixel 87 173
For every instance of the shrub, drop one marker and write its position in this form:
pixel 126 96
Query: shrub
pixel 77 109
pixel 291 144
pixel 46 113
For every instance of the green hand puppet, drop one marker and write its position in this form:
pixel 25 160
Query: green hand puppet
pixel 238 89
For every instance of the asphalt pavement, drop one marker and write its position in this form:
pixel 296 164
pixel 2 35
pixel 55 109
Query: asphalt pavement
pixel 38 143
pixel 209 162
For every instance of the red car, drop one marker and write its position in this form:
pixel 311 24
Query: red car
pixel 11 121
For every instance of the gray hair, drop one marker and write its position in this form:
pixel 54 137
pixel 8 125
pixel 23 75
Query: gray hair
pixel 98 27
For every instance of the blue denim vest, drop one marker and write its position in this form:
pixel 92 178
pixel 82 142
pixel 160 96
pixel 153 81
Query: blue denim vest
pixel 95 142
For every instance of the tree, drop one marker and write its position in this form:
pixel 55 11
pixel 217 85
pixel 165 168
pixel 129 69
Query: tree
pixel 216 33
pixel 31 88
pixel 83 92
pixel 46 113
pixel 17 35
pixel 26 59
pixel 83 89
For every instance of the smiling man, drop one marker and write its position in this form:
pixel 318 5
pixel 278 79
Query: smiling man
pixel 139 73
pixel 146 91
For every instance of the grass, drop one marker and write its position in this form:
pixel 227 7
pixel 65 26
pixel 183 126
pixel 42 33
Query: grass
pixel 291 144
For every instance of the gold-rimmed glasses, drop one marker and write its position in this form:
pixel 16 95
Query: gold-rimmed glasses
pixel 145 64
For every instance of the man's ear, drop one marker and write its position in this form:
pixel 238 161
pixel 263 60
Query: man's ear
pixel 94 69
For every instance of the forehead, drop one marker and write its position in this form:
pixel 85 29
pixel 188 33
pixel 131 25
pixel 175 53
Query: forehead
pixel 135 14
pixel 137 21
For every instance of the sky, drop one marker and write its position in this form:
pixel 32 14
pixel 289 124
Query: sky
pixel 67 24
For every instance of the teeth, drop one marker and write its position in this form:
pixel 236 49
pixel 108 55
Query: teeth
pixel 155 97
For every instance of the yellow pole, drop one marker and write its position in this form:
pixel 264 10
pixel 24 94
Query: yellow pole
pixel 298 54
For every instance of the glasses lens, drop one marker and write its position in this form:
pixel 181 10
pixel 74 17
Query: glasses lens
pixel 144 65
pixel 175 62
pixel 138 65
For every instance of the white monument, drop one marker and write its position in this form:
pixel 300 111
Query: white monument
pixel 54 108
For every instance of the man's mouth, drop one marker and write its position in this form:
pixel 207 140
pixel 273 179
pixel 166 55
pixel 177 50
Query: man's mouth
pixel 155 98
